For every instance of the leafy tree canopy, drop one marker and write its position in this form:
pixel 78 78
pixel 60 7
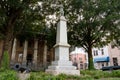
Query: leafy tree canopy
pixel 92 23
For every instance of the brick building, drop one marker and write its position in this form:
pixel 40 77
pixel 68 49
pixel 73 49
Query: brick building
pixel 30 53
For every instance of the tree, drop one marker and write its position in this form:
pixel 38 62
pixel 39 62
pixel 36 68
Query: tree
pixel 10 13
pixel 20 18
pixel 116 35
pixel 91 23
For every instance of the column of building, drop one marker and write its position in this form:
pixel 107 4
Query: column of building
pixel 25 53
pixel 35 53
pixel 45 54
pixel 13 52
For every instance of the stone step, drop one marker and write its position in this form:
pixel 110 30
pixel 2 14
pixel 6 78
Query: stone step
pixel 68 72
pixel 62 67
pixel 62 63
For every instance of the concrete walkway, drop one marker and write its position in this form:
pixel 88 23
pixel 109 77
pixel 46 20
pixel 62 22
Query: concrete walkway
pixel 23 76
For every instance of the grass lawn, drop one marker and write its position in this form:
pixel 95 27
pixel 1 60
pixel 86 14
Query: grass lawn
pixel 84 75
pixel 109 79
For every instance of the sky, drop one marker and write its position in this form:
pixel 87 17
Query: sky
pixel 78 51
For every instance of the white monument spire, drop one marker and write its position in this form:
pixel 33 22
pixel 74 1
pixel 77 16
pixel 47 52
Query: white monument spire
pixel 62 63
pixel 61 10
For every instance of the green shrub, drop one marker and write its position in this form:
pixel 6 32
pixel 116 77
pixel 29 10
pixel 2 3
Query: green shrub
pixel 40 76
pixel 74 77
pixel 86 77
pixel 5 61
pixel 8 75
pixel 96 74
pixel 96 77
pixel 115 73
pixel 61 77
pixel 5 72
pixel 106 74
pixel 2 69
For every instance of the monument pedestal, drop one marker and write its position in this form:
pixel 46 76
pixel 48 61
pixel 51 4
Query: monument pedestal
pixel 64 67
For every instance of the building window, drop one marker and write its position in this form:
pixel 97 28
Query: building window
pixel 115 62
pixel 75 59
pixel 80 59
pixel 96 52
pixel 81 66
pixel 106 63
pixel 102 51
pixel 75 64
pixel 102 64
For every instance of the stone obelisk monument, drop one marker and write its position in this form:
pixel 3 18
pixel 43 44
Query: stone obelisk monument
pixel 62 63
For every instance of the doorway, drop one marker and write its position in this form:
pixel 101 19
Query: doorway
pixel 29 59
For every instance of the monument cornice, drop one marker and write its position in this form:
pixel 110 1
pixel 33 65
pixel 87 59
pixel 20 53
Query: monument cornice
pixel 61 44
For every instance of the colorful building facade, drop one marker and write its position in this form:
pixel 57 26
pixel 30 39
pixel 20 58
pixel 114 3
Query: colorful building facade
pixel 114 54
pixel 106 56
pixel 78 57
pixel 101 57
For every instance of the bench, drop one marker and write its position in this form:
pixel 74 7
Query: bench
pixel 109 68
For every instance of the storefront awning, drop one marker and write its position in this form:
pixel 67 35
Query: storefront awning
pixel 102 59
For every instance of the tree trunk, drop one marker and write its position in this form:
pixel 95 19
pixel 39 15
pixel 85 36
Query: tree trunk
pixel 90 59
pixel 1 50
pixel 14 14
pixel 7 45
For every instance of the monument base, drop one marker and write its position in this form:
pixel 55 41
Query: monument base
pixel 62 67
